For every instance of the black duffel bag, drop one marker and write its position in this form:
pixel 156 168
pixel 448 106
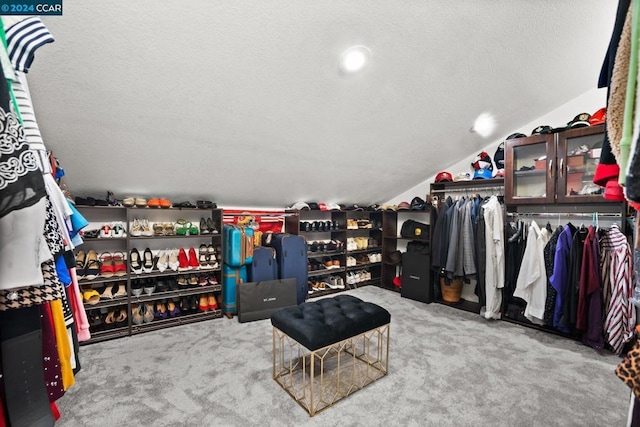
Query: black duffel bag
pixel 411 228
pixel 421 248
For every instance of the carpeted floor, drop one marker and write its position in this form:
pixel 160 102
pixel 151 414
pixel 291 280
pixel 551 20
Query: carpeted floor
pixel 447 367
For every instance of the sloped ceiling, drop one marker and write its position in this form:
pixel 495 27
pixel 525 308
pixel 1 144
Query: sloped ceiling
pixel 243 102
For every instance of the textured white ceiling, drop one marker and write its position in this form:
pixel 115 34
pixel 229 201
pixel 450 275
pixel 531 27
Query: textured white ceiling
pixel 243 102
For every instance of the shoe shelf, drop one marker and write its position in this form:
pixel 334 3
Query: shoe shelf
pixel 182 319
pixel 423 239
pixel 101 280
pixel 373 281
pixel 325 292
pixel 110 334
pixel 325 272
pixel 361 266
pixel 99 216
pixel 182 292
pixel 324 254
pixel 107 303
pixel 157 273
pixel 364 251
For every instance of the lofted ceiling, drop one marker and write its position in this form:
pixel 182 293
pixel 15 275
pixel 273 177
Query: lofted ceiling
pixel 243 102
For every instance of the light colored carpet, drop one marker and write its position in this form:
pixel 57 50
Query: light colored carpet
pixel 447 367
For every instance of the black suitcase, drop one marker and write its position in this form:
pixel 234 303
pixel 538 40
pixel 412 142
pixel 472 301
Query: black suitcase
pixel 416 277
pixel 291 252
pixel 264 265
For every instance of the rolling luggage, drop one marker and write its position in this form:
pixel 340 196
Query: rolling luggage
pixel 231 276
pixel 238 245
pixel 291 251
pixel 264 265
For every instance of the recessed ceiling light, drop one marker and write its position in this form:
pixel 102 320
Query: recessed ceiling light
pixel 354 59
pixel 484 125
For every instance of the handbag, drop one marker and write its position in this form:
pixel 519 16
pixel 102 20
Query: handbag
pixel 419 247
pixel 411 228
pixel 258 300
pixel 629 369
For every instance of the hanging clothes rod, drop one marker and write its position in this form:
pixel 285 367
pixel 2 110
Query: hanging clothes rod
pixel 478 189
pixel 565 214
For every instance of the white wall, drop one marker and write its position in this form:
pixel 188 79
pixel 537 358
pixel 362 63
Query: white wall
pixel 588 102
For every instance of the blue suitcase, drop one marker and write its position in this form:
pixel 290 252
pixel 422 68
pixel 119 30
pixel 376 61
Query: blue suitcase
pixel 231 276
pixel 238 245
pixel 291 251
pixel 264 265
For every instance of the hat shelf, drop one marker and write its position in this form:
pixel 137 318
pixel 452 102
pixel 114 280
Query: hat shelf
pixel 554 168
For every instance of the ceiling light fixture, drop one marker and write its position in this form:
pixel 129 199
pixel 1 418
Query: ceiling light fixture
pixel 354 59
pixel 484 125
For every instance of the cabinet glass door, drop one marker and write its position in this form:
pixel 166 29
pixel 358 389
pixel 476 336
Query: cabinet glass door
pixel 578 157
pixel 529 174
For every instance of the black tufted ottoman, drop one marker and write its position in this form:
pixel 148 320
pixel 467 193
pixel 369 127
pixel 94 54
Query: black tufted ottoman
pixel 327 349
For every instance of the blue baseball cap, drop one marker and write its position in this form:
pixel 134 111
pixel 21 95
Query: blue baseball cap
pixel 482 174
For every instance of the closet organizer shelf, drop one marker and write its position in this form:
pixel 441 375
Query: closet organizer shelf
pixel 325 272
pixel 97 216
pixel 361 266
pixel 324 254
pixel 364 251
pixel 178 293
pixel 175 321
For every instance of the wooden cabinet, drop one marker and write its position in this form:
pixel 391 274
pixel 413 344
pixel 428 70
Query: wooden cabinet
pixel 554 168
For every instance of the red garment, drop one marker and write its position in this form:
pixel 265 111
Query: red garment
pixel 589 279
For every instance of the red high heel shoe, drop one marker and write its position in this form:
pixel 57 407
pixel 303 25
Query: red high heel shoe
pixel 183 261
pixel 193 259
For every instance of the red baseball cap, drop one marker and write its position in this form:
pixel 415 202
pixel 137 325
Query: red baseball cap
pixel 444 177
pixel 598 117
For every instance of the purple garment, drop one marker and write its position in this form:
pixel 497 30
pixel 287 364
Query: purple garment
pixel 559 279
pixel 593 336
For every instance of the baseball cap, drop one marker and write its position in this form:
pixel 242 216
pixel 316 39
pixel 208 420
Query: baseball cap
pixel 499 173
pixel 482 174
pixel 322 206
pixel 395 257
pixel 314 206
pixel 404 206
pixel 333 207
pixel 462 176
pixel 516 135
pixel 542 130
pixel 579 121
pixel 417 204
pixel 482 161
pixel 498 157
pixel 300 206
pixel 599 117
pixel 444 177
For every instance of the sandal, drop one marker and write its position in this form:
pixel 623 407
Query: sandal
pixel 193 230
pixel 80 261
pixel 120 290
pixel 203 257
pixel 203 226
pixel 182 227
pixel 158 229
pixel 92 265
pixel 106 293
pixel 119 267
pixel 91 296
pixel 169 229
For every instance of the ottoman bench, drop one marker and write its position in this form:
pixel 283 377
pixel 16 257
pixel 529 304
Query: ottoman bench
pixel 328 349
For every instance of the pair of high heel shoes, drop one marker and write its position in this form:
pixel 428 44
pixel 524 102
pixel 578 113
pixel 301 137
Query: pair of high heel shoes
pixel 116 319
pixel 164 309
pixel 207 226
pixel 140 263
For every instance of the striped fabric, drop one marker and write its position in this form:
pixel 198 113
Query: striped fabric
pixel 23 39
pixel 621 314
pixel 25 106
